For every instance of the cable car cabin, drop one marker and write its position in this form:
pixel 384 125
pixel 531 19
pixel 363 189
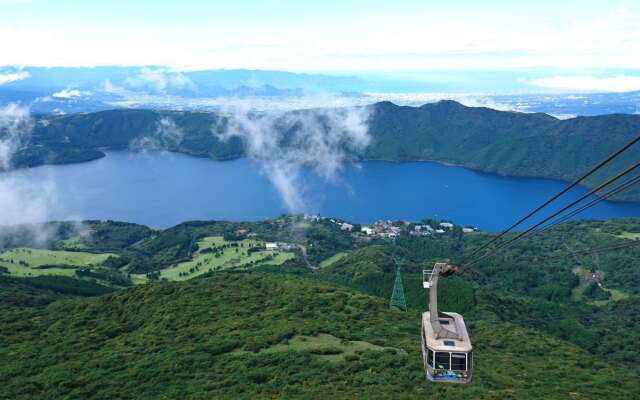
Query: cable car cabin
pixel 446 359
pixel 446 346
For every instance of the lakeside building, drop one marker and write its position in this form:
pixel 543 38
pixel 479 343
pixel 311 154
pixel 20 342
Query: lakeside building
pixel 367 230
pixel 346 226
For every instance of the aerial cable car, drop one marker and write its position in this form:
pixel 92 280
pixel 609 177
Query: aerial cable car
pixel 446 347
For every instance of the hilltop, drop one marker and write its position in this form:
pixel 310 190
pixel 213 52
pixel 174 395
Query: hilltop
pixel 501 142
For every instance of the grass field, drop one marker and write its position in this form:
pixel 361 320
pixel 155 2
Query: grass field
pixel 204 261
pixel 616 295
pixel 23 262
pixel 213 254
pixel 629 235
pixel 585 280
pixel 74 243
pixel 334 258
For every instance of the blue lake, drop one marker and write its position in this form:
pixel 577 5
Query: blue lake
pixel 164 189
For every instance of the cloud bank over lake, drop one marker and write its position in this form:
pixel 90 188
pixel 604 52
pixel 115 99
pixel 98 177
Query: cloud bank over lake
pixel 284 143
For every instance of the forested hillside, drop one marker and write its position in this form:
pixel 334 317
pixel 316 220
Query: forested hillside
pixel 548 318
pixel 508 143
pixel 229 336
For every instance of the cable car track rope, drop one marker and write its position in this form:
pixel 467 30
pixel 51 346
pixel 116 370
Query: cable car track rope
pixel 625 185
pixel 563 209
pixel 592 249
pixel 553 198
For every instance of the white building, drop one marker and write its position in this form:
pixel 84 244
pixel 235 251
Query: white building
pixel 439 230
pixel 468 230
pixel 367 230
pixel 271 246
pixel 346 226
pixel 447 225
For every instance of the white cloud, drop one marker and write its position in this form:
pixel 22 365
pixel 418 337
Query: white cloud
pixel 21 201
pixel 24 202
pixel 15 127
pixel 167 136
pixel 69 93
pixel 109 87
pixel 618 83
pixel 159 80
pixel 407 37
pixel 320 139
pixel 13 76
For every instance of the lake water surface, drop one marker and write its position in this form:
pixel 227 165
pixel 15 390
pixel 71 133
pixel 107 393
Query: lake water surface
pixel 163 189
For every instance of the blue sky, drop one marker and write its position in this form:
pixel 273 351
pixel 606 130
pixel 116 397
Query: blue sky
pixel 587 41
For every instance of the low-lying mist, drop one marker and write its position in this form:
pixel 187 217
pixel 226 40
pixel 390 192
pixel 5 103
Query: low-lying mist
pixel 24 205
pixel 284 143
pixel 166 136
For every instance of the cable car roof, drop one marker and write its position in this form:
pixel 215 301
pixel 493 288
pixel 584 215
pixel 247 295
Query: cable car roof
pixel 454 322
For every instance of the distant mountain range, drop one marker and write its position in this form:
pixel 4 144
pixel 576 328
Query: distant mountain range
pixel 171 82
pixel 66 90
pixel 506 143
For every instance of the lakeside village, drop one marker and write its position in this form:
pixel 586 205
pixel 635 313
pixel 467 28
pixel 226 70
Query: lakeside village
pixel 385 230
pixel 391 230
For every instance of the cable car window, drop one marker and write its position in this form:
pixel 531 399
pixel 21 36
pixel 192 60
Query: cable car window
pixel 442 360
pixel 430 358
pixel 459 361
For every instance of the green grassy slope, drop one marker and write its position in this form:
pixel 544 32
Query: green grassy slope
pixel 35 262
pixel 237 255
pixel 120 254
pixel 229 336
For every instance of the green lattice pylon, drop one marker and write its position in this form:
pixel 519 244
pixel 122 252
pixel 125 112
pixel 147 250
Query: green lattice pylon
pixel 397 297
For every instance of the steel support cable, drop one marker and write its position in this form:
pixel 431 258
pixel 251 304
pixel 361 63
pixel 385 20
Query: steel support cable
pixel 556 196
pixel 632 243
pixel 528 231
pixel 566 254
pixel 598 249
pixel 625 185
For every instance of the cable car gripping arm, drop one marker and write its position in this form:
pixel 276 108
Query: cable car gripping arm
pixel 430 281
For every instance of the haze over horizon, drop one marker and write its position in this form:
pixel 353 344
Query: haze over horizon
pixel 587 46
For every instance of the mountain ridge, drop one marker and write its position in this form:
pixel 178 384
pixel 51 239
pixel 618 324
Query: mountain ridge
pixel 501 142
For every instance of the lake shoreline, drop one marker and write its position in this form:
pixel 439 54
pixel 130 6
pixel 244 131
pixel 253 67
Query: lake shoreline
pixel 163 189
